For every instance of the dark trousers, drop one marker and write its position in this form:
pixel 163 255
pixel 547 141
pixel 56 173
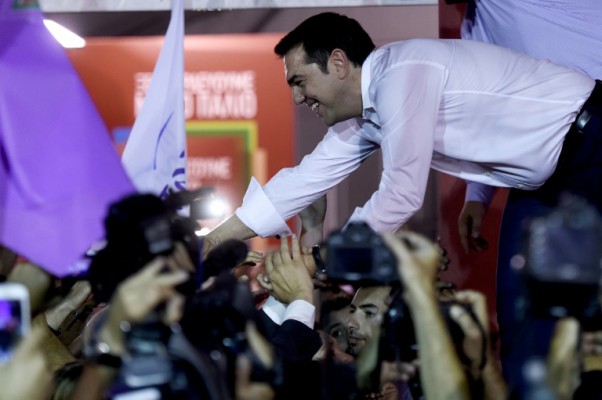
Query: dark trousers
pixel 579 173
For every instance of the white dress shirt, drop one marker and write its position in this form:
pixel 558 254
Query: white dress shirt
pixel 472 110
pixel 562 31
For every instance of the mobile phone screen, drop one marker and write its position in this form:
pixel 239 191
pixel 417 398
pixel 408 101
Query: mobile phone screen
pixel 11 329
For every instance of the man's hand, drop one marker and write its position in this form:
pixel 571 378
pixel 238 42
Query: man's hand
pixel 139 294
pixel 78 294
pixel 469 226
pixel 417 259
pixel 474 346
pixel 288 278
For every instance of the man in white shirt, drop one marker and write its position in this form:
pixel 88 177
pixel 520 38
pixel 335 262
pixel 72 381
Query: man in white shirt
pixel 564 32
pixel 473 110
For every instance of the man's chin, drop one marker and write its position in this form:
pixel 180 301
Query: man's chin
pixel 354 349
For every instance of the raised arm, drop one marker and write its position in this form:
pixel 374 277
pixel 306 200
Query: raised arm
pixel 442 375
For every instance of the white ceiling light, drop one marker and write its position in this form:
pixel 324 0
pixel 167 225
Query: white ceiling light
pixel 64 36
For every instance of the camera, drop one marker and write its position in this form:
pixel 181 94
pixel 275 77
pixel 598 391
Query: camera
pixel 562 262
pixel 196 358
pixel 215 322
pixel 139 228
pixel 358 254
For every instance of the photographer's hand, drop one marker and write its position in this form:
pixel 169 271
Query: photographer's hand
pixel 287 274
pixel 481 357
pixel 418 261
pixel 417 264
pixel 138 295
pixel 27 376
pixel 473 344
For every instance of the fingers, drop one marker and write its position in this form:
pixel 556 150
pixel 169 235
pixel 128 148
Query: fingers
pixel 479 243
pixel 284 250
pixel 475 228
pixel 463 230
pixel 264 282
pixel 478 303
pixel 469 226
pixel 170 279
pixel 398 371
pixel 269 263
pixel 422 249
pixel 254 257
pixel 295 248
pixel 174 309
pixel 181 258
pixel 461 316
pixel 397 247
pixel 152 268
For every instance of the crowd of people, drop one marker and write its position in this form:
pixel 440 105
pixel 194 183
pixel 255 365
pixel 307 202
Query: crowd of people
pixel 161 326
pixel 162 314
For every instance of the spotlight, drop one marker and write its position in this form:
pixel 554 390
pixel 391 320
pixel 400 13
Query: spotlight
pixel 64 36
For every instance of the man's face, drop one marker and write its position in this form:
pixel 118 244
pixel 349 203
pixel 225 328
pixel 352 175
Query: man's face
pixel 337 327
pixel 365 312
pixel 318 90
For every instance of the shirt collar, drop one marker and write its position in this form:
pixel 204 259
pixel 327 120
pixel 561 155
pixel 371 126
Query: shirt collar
pixel 368 113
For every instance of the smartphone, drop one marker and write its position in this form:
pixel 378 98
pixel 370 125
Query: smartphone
pixel 15 317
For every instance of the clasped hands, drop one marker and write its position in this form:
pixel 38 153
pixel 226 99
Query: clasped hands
pixel 287 277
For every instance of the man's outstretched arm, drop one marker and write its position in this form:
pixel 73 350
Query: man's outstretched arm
pixel 231 228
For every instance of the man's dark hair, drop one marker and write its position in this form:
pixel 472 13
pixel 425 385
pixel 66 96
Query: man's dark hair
pixel 321 34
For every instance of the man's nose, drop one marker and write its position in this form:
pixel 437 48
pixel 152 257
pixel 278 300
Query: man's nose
pixel 352 323
pixel 298 97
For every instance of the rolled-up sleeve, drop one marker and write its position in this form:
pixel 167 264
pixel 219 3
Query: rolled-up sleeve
pixel 258 213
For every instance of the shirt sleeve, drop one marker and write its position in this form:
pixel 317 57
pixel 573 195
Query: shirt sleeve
pixel 302 311
pixel 274 309
pixel 265 210
pixel 258 213
pixel 407 103
pixel 476 191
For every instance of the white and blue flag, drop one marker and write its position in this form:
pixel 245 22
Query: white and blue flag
pixel 155 153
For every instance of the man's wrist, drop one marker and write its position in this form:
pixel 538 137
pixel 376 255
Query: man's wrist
pixel 420 296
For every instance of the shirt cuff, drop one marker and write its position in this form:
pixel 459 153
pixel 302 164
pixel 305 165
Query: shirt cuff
pixel 302 311
pixel 274 309
pixel 479 192
pixel 258 213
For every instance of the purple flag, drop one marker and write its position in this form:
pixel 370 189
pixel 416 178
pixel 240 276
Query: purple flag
pixel 58 168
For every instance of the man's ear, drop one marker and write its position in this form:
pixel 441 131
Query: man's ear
pixel 339 63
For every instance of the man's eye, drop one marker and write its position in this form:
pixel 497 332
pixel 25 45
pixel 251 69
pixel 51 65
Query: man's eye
pixel 370 314
pixel 337 333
